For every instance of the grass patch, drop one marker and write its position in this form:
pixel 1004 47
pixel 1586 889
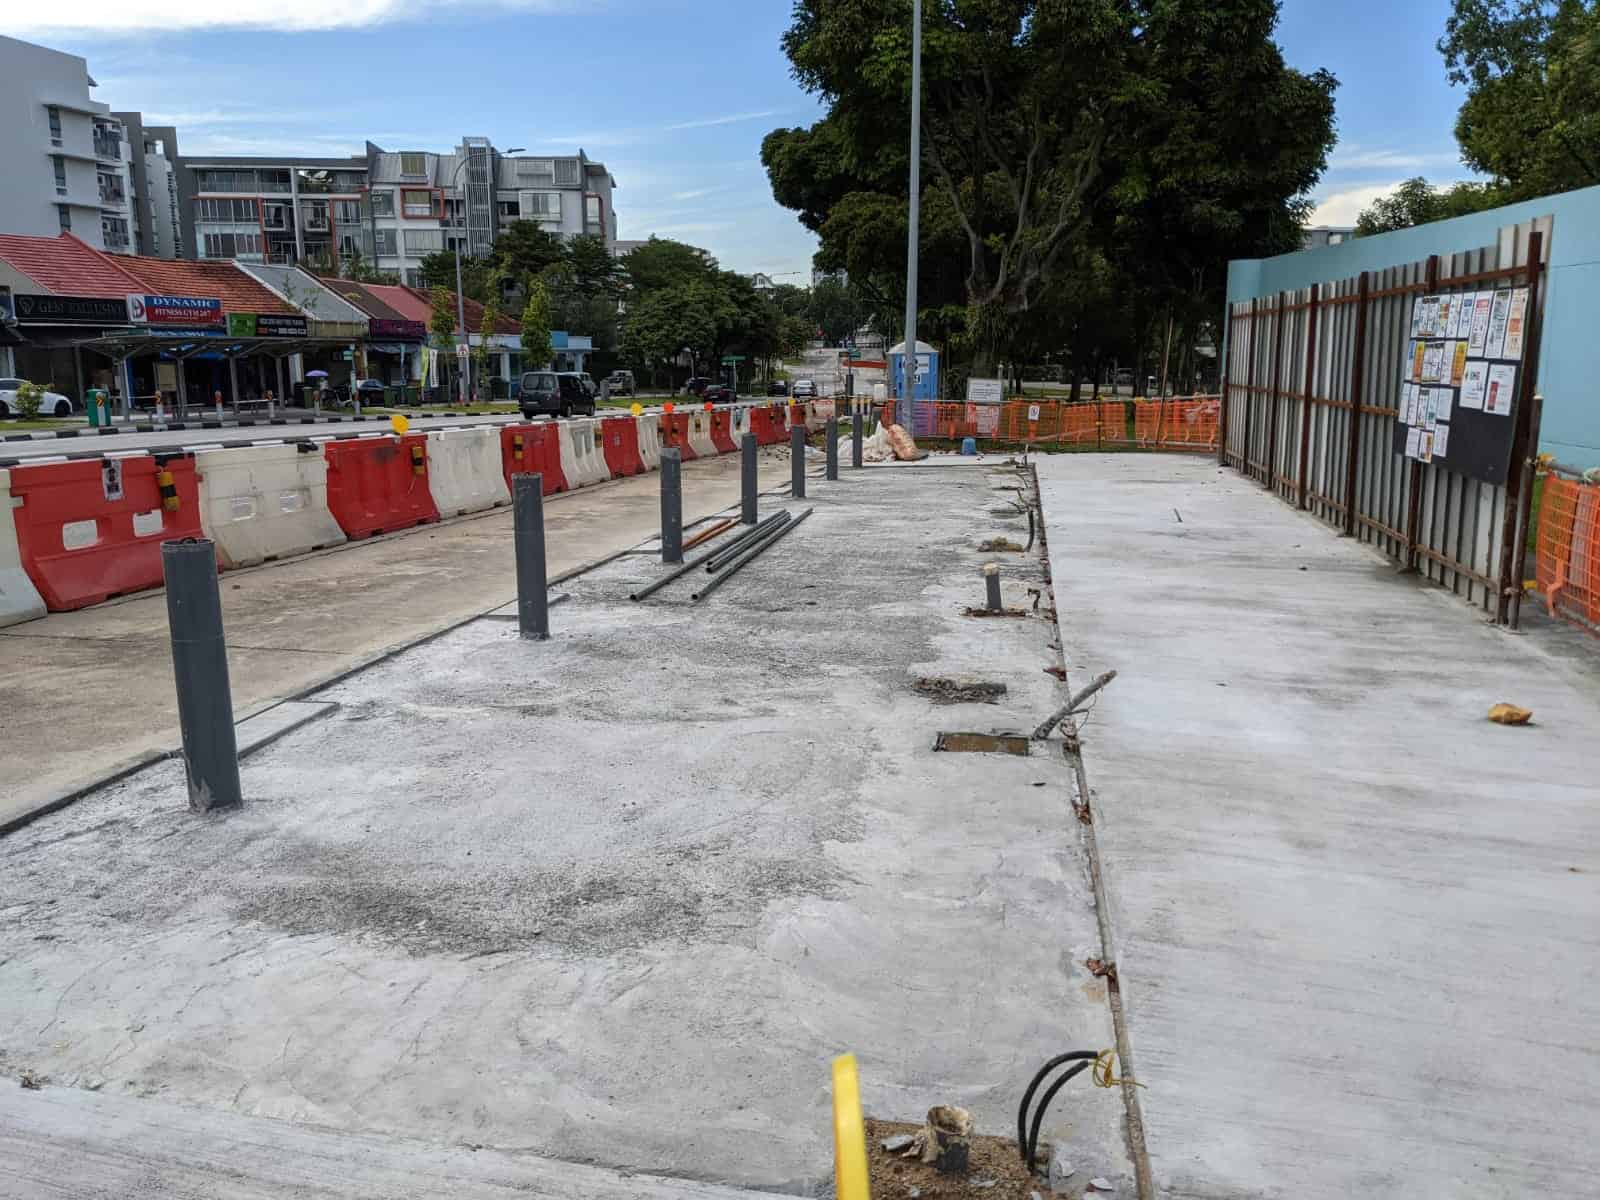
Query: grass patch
pixel 18 425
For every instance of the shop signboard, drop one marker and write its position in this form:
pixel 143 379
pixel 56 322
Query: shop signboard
pixel 188 311
pixel 384 329
pixel 69 310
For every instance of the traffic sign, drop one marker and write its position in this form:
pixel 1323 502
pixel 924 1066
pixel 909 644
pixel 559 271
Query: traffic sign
pixel 729 359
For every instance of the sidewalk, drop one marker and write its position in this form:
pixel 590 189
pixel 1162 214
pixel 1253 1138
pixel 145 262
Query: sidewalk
pixel 90 692
pixel 1358 924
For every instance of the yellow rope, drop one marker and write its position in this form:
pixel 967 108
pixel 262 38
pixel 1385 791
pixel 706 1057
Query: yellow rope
pixel 1104 1064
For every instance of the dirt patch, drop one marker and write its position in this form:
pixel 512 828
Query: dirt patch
pixel 994 545
pixel 995 1171
pixel 958 691
pixel 982 743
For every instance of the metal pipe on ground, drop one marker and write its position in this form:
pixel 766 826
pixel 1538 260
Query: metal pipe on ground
pixel 750 553
pixel 705 535
pixel 749 534
pixel 719 557
pixel 533 588
pixel 200 670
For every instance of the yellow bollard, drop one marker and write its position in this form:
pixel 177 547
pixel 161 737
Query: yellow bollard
pixel 849 1134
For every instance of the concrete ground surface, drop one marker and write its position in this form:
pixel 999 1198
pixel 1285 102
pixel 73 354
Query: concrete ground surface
pixel 89 692
pixel 1358 924
pixel 613 899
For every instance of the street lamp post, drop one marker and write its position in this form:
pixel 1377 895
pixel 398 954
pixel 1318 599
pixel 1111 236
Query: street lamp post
pixel 908 363
pixel 464 362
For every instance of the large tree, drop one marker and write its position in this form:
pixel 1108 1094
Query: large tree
pixel 1532 72
pixel 1049 127
pixel 1416 202
pixel 666 322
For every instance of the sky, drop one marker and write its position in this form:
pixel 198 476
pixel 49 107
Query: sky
pixel 674 96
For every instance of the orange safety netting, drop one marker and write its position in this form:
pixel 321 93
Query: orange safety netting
pixel 1179 423
pixel 1568 551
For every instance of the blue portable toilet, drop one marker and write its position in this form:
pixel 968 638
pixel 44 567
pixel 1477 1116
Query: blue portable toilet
pixel 927 384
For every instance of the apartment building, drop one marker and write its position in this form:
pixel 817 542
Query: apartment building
pixel 65 155
pixel 152 152
pixel 393 208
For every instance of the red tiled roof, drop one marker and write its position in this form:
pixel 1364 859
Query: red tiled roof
pixel 416 305
pixel 363 296
pixel 211 280
pixel 66 266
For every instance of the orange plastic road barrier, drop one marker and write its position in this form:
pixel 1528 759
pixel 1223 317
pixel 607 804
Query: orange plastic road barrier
pixel 722 431
pixel 1568 551
pixel 534 449
pixel 675 434
pixel 764 424
pixel 621 437
pixel 379 484
pixel 90 530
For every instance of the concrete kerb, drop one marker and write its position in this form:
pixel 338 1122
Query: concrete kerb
pixel 134 765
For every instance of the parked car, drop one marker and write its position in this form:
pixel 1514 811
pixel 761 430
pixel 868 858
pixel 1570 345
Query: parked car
pixel 718 393
pixel 588 384
pixel 621 383
pixel 554 393
pixel 52 404
pixel 778 387
pixel 696 385
pixel 804 389
pixel 364 386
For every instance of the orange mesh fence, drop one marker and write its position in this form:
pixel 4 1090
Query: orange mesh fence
pixel 1180 423
pixel 1568 551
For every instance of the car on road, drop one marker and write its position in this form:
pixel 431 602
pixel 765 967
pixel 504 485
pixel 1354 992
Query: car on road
pixel 718 393
pixel 52 404
pixel 778 387
pixel 804 389
pixel 554 393
pixel 695 385
pixel 621 383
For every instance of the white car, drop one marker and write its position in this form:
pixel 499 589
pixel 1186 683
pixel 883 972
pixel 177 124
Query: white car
pixel 804 389
pixel 52 404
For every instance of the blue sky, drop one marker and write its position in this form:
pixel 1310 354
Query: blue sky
pixel 673 95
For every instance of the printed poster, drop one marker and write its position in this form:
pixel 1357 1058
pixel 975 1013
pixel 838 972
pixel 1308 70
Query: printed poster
pixel 1430 315
pixel 1458 365
pixel 1482 305
pixel 1413 441
pixel 1499 397
pixel 1497 325
pixel 1441 440
pixel 1425 446
pixel 1443 398
pixel 1408 404
pixel 1473 383
pixel 1416 316
pixel 1419 352
pixel 1433 363
pixel 1516 322
pixel 1463 323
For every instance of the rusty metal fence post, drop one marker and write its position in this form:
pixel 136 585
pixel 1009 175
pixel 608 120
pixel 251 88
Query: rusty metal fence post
pixel 1357 373
pixel 1312 315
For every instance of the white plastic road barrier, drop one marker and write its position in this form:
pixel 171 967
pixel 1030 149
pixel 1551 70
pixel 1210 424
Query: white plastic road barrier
pixel 739 424
pixel 19 599
pixel 583 458
pixel 465 473
pixel 264 501
pixel 700 434
pixel 650 440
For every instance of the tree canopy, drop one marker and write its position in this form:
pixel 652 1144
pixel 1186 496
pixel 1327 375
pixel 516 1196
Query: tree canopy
pixel 1416 202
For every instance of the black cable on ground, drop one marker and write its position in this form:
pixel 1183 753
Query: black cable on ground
pixel 1044 1103
pixel 1085 1056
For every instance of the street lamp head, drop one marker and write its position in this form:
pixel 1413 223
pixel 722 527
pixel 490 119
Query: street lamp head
pixel 514 150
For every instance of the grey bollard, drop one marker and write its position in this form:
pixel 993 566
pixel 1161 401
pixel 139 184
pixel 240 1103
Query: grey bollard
pixel 797 461
pixel 833 447
pixel 200 669
pixel 533 586
pixel 671 506
pixel 747 479
pixel 855 439
pixel 991 580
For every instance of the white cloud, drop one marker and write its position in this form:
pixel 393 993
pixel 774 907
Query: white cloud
pixel 1367 158
pixel 729 119
pixel 1342 208
pixel 140 17
pixel 698 193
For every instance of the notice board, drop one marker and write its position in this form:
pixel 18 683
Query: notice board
pixel 1461 380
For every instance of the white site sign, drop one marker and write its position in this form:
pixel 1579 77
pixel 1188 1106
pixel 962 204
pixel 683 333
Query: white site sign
pixel 986 391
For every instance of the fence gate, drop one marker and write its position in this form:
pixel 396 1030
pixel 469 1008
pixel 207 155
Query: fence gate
pixel 1399 407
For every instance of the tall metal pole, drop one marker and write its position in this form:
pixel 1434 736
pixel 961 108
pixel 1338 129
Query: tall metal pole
pixel 463 362
pixel 908 364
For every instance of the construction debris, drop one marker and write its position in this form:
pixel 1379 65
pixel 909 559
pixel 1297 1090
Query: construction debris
pixel 1510 714
pixel 943 1141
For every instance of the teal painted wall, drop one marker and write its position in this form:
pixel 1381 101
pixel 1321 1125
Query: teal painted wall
pixel 1569 358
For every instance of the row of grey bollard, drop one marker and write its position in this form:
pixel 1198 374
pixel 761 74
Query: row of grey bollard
pixel 200 648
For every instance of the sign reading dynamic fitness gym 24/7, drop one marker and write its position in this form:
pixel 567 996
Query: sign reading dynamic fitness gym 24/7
pixel 188 311
pixel 69 310
pixel 1460 381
